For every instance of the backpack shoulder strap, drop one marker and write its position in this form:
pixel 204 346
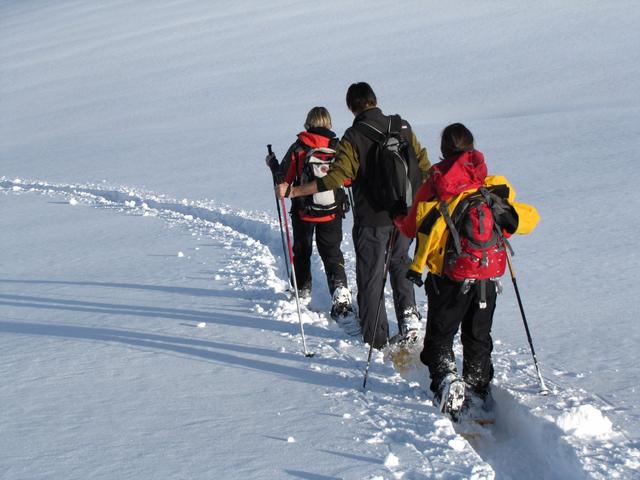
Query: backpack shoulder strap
pixel 490 201
pixel 301 149
pixel 442 207
pixel 369 131
pixel 395 124
pixel 331 148
pixel 298 157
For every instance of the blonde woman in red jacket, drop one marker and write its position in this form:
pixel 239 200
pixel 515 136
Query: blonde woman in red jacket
pixel 320 214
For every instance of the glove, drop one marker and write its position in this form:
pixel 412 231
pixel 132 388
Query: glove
pixel 399 210
pixel 504 214
pixel 499 206
pixel 346 205
pixel 271 161
pixel 415 277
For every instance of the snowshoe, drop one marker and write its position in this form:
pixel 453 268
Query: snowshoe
pixel 350 324
pixel 402 346
pixel 404 338
pixel 477 406
pixel 404 352
pixel 476 415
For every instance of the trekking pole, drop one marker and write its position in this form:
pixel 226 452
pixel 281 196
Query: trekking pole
pixel 284 248
pixel 543 388
pixel 387 261
pixel 295 285
pixel 295 282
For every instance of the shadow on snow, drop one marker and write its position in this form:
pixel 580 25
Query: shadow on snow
pixel 203 349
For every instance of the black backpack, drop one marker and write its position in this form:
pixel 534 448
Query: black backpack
pixel 393 178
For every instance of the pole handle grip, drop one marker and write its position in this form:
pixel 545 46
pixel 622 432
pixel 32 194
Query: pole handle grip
pixel 272 167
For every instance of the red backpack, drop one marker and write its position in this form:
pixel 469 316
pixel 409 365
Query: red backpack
pixel 476 247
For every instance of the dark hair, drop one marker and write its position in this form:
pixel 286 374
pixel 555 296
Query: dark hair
pixel 456 138
pixel 360 96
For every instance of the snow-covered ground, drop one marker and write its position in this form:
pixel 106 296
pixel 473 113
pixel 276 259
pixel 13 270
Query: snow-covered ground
pixel 144 328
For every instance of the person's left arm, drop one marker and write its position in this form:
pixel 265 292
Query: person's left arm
pixel 423 157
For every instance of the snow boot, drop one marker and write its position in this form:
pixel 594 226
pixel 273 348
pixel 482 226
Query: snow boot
pixel 341 302
pixel 450 395
pixel 409 325
pixel 304 292
pixel 342 311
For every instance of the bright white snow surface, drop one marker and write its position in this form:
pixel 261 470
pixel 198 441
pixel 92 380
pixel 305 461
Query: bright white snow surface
pixel 144 327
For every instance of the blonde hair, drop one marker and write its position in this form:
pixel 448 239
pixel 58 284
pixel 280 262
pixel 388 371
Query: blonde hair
pixel 318 117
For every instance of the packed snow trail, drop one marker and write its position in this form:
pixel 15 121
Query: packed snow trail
pixel 396 412
pixel 113 364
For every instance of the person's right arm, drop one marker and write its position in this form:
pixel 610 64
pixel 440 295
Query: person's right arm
pixel 344 167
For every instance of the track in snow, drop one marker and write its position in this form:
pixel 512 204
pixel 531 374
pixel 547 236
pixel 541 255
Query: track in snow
pixel 517 446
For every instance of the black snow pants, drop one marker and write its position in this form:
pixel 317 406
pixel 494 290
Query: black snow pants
pixel 328 239
pixel 370 245
pixel 449 309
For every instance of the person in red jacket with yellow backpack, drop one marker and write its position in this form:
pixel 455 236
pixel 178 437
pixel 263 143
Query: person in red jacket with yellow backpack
pixel 461 220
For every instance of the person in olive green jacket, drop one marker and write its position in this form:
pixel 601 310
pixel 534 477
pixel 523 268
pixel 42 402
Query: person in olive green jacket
pixel 373 227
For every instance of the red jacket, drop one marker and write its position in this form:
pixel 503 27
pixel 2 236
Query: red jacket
pixel 446 179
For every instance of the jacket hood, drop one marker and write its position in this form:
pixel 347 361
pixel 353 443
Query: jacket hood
pixel 316 137
pixel 454 175
pixel 368 113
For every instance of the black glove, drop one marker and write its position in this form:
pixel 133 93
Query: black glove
pixel 346 205
pixel 398 210
pixel 504 214
pixel 272 162
pixel 415 277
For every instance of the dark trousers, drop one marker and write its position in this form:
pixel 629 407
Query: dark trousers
pixel 448 310
pixel 370 245
pixel 328 239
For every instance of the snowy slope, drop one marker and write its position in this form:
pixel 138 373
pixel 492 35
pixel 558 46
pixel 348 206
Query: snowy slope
pixel 218 384
pixel 150 108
